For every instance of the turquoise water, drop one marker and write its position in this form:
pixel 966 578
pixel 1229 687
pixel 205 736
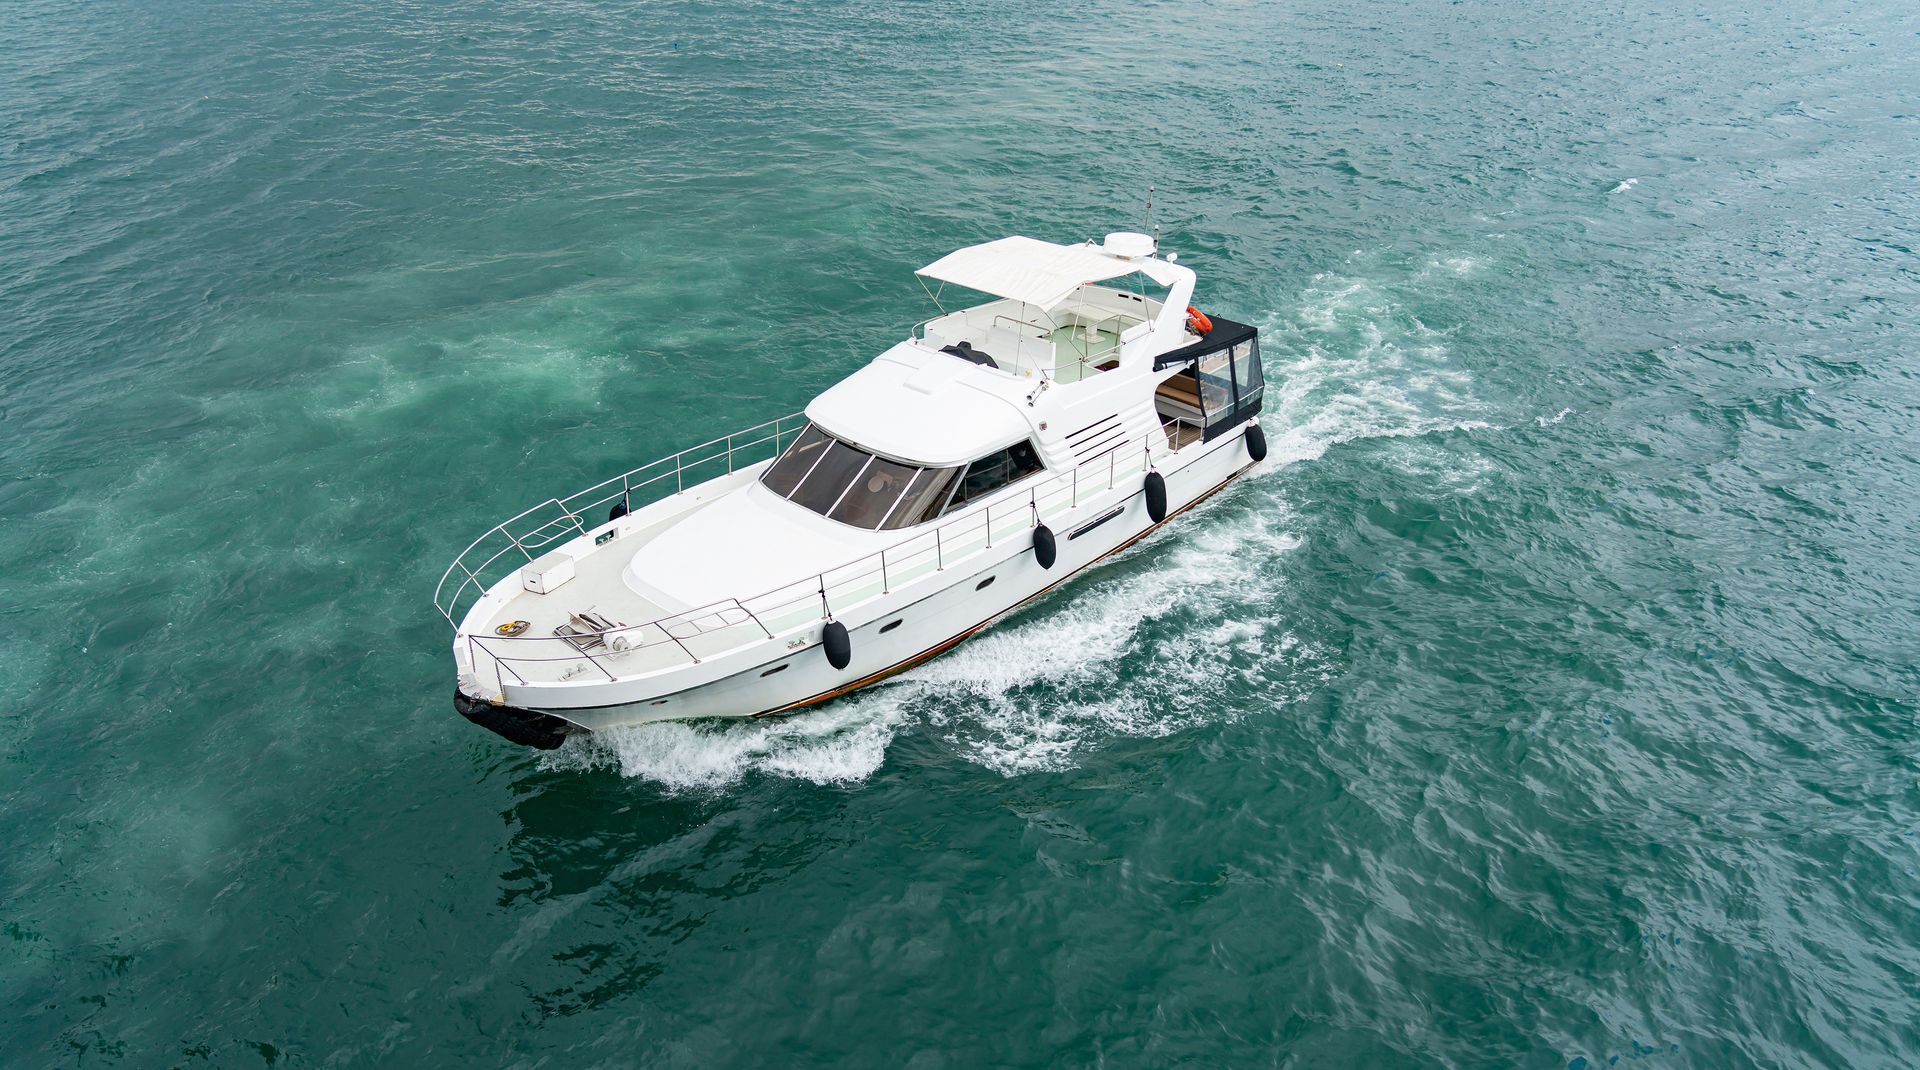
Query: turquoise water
pixel 1546 699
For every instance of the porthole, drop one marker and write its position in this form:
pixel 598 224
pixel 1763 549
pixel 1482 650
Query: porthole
pixel 777 668
pixel 890 625
pixel 983 584
pixel 658 702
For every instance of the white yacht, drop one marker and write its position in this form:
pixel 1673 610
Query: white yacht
pixel 970 468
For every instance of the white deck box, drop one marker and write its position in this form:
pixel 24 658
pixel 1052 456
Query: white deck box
pixel 543 574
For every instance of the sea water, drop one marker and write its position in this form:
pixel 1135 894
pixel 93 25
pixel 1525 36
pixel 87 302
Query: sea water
pixel 1547 698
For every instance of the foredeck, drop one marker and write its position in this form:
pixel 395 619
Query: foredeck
pixel 598 587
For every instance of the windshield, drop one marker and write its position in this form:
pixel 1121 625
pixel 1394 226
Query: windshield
pixel 843 482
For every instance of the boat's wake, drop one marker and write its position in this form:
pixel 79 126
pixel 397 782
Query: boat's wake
pixel 1140 649
pixel 845 741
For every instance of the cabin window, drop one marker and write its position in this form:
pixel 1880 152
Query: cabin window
pixel 1248 382
pixel 1219 387
pixel 793 466
pixel 843 482
pixel 923 499
pixel 868 501
pixel 1216 382
pixel 831 477
pixel 994 471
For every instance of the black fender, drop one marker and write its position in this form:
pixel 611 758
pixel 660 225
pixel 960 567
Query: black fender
pixel 838 645
pixel 1256 443
pixel 1045 550
pixel 1156 497
pixel 619 510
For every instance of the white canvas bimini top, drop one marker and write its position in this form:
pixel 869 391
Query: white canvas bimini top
pixel 1033 271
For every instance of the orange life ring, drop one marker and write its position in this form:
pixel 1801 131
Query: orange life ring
pixel 1198 323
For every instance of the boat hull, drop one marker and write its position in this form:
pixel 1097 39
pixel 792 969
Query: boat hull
pixel 893 634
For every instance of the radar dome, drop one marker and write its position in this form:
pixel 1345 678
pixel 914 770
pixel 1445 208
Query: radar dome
pixel 1127 244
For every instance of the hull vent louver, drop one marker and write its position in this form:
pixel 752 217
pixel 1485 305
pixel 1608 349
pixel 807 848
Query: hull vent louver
pixel 1096 438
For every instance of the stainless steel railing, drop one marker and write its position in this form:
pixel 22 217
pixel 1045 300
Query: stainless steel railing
pixel 525 536
pixel 692 636
pixel 1020 358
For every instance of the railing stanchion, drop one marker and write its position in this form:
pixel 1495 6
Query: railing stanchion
pixel 676 642
pixel 755 617
pixel 501 663
pixel 939 551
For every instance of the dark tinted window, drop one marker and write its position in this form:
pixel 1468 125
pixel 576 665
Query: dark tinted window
pixel 924 498
pixel 994 471
pixel 830 477
pixel 846 483
pixel 787 472
pixel 872 495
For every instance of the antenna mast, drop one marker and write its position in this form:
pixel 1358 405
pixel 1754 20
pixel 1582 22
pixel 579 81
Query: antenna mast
pixel 1149 222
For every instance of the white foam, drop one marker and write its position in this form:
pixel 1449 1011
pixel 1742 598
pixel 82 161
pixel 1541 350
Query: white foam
pixel 1361 369
pixel 836 744
pixel 380 382
pixel 1625 186
pixel 1458 265
pixel 1027 696
pixel 1032 696
pixel 1545 421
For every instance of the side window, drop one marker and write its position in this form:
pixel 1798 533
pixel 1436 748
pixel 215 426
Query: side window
pixel 1246 370
pixel 1216 384
pixel 994 471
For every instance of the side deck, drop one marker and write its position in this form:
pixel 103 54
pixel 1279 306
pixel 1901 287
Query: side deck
pixel 646 634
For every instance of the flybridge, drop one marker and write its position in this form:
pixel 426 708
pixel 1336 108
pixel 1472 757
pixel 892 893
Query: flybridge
pixel 1054 320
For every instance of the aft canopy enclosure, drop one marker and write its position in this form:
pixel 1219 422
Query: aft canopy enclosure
pixel 1222 374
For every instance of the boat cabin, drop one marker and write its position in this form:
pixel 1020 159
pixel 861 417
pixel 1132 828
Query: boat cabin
pixel 1059 367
